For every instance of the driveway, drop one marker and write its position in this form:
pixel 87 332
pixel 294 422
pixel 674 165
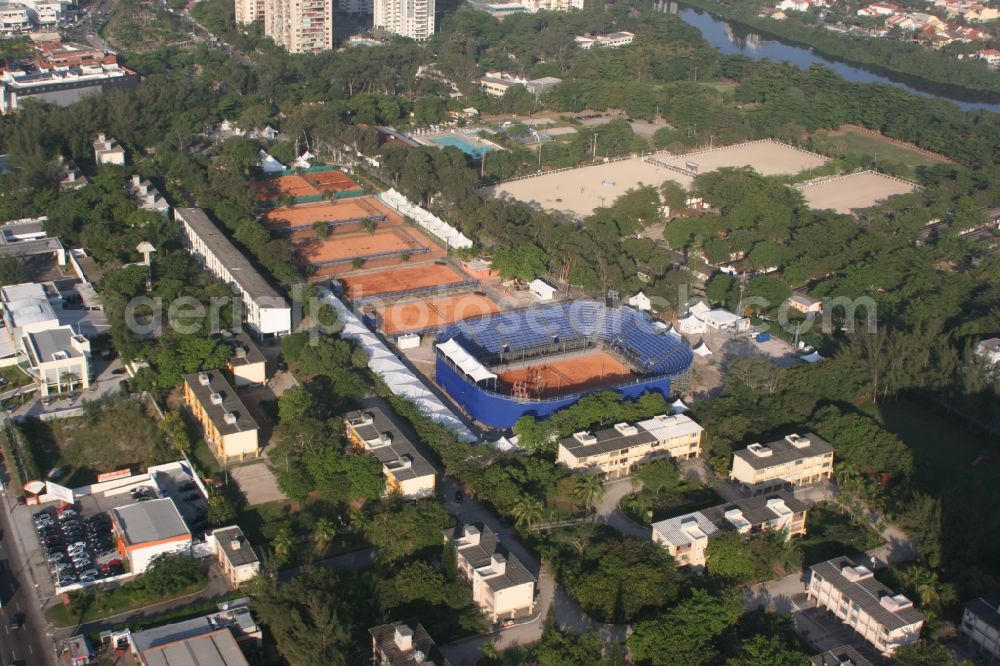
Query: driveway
pixel 608 509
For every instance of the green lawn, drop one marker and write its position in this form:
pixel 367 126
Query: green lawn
pixel 853 142
pixel 831 533
pixel 959 467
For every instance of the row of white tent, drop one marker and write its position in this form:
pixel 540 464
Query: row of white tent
pixel 448 234
pixel 400 379
pixel 271 166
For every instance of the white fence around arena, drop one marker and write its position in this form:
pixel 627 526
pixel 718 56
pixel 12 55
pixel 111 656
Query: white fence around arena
pixel 832 179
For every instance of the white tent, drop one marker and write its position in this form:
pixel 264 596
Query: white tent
pixel 679 406
pixel 691 324
pixel 397 376
pixel 465 361
pixel 699 309
pixel 303 161
pixel 268 164
pixel 541 290
pixel 721 319
pixel 813 357
pixel 701 349
pixel 641 302
pixel 433 224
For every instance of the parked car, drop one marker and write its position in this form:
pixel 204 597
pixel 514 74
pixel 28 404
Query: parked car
pixel 67 580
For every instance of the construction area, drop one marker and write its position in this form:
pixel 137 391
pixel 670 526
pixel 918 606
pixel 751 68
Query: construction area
pixel 579 191
pixel 561 376
pixel 854 191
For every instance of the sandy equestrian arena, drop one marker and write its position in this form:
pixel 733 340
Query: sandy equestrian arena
pixel 857 190
pixel 579 191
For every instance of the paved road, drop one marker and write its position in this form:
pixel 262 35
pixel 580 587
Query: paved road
pixel 31 644
pixel 609 511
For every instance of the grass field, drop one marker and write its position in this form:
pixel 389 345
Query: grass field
pixel 121 434
pixel 848 141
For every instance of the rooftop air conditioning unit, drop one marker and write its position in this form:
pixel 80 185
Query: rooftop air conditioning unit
pixel 626 429
pixel 204 378
pixel 231 418
pixel 584 437
pixel 760 450
pixel 215 398
pixel 798 441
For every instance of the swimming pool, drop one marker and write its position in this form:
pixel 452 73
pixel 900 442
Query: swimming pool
pixel 463 144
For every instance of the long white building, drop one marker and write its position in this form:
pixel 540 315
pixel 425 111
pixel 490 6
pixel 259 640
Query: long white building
pixel 407 18
pixel 265 310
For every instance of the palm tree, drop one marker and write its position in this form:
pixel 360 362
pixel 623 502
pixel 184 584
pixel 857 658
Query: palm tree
pixel 924 582
pixel 589 488
pixel 67 378
pixel 282 544
pixel 527 512
pixel 323 533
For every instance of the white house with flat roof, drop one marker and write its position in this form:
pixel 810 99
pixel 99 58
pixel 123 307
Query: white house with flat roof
pixel 406 470
pixel 107 150
pixel 57 358
pixel 501 585
pixel 795 460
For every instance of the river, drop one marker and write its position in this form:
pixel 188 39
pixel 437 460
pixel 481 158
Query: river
pixel 735 39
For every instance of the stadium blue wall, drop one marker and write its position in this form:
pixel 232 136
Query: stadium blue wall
pixel 503 412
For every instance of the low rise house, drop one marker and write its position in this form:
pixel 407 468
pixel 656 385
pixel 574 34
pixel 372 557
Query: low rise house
pixel 406 470
pixel 236 556
pixel 496 84
pixel 796 460
pixel 501 585
pixel 215 639
pixel 880 9
pixel 107 150
pixel 228 426
pixel 146 530
pixel 611 40
pixel 686 537
pixel 991 56
pixel 147 196
pixel 981 625
pixel 620 450
pixel 54 54
pixel 14 18
pixel 404 643
pixel 989 350
pixel 845 655
pixel 850 591
pixel 247 365
pixel 804 302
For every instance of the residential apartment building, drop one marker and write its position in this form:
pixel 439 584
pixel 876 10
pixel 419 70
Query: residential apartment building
pixel 406 470
pixel 501 585
pixel 236 556
pixel 407 18
pixel 229 429
pixel 301 26
pixel 804 302
pixel 686 537
pixel 796 460
pixel 620 450
pixel 611 40
pixel 850 591
pixel 57 358
pixel 147 196
pixel 981 625
pixel 248 11
pixel 845 655
pixel 247 365
pixel 265 311
pixel 404 643
pixel 107 150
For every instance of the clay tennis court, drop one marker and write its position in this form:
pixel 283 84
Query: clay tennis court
pixel 563 376
pixel 433 313
pixel 305 185
pixel 858 190
pixel 345 247
pixel 579 191
pixel 301 218
pixel 401 279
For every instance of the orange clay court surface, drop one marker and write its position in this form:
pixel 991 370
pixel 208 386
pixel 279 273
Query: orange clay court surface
pixel 305 185
pixel 559 377
pixel 401 279
pixel 434 313
pixel 358 245
pixel 348 209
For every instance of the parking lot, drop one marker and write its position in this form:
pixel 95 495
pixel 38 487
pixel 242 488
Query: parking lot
pixel 75 544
